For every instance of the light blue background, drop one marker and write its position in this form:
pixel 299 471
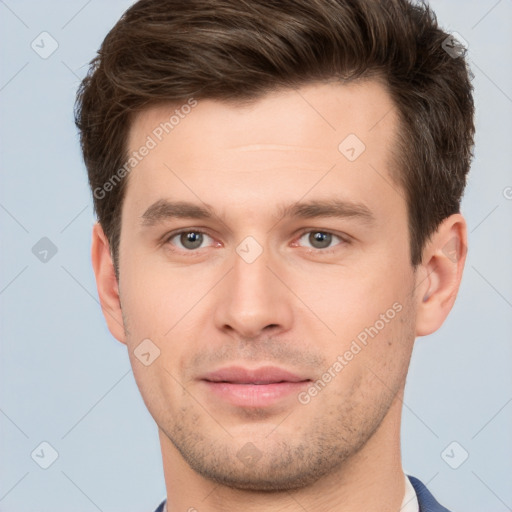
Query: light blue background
pixel 65 380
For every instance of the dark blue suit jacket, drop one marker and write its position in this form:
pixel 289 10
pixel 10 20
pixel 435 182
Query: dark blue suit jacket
pixel 426 501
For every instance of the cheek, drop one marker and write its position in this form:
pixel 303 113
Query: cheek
pixel 154 297
pixel 167 306
pixel 142 308
pixel 389 343
pixel 372 317
pixel 378 367
pixel 352 302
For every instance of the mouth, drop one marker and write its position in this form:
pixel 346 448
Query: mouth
pixel 258 387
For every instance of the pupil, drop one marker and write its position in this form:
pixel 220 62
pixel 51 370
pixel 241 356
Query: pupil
pixel 191 240
pixel 320 240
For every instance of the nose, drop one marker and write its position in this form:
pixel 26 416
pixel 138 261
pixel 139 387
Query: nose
pixel 252 301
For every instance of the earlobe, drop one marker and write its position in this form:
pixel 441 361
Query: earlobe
pixel 106 282
pixel 440 274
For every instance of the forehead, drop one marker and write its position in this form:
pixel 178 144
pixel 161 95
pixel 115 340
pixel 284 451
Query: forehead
pixel 284 141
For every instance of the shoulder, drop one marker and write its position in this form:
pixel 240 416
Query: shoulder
pixel 426 501
pixel 161 507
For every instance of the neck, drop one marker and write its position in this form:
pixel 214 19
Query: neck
pixel 372 479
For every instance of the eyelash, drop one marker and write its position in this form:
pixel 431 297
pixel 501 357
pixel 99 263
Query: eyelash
pixel 328 250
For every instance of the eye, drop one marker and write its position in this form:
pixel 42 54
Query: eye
pixel 319 239
pixel 189 240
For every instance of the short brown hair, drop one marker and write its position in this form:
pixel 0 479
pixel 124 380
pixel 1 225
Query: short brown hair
pixel 239 50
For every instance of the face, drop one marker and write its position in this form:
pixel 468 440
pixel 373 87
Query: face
pixel 264 251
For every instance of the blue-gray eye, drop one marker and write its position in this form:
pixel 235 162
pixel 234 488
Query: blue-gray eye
pixel 319 239
pixel 189 239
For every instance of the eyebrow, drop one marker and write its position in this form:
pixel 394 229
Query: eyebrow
pixel 163 210
pixel 328 208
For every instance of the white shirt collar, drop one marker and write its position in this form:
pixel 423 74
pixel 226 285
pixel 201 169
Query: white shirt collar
pixel 410 501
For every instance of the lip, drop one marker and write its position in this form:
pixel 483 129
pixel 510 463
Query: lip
pixel 259 387
pixel 262 375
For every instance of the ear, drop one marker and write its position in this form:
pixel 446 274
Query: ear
pixel 106 282
pixel 439 275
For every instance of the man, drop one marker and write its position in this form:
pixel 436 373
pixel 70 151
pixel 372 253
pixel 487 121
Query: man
pixel 277 186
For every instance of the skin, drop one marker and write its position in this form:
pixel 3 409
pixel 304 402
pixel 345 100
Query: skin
pixel 296 306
